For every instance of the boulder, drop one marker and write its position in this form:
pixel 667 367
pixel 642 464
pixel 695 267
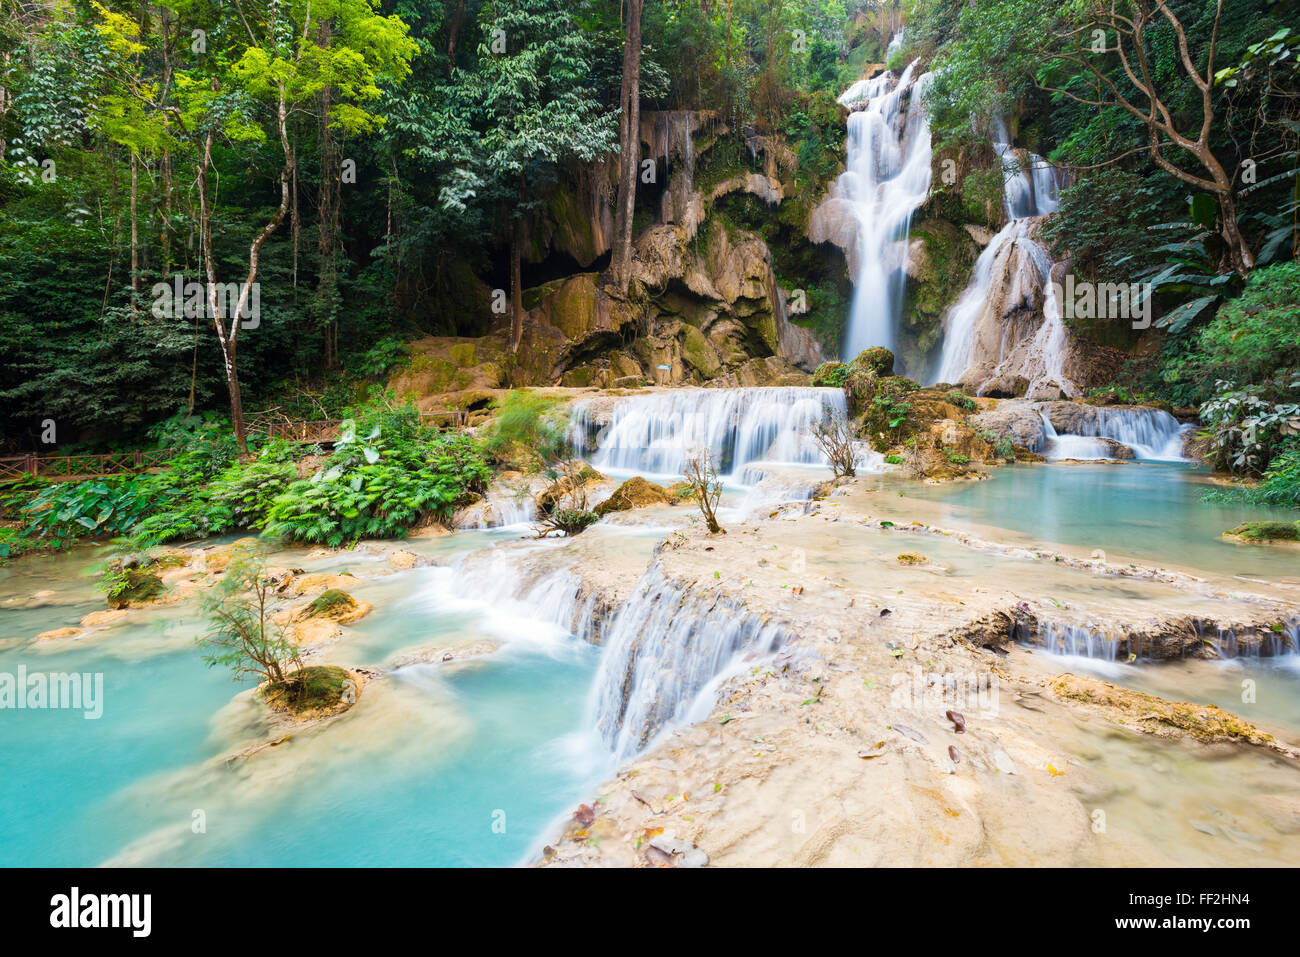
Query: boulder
pixel 335 605
pixel 634 493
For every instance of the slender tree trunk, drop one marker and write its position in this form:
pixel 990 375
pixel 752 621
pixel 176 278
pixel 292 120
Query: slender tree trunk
pixel 453 34
pixel 630 143
pixel 135 236
pixel 516 287
pixel 327 206
pixel 295 225
pixel 229 339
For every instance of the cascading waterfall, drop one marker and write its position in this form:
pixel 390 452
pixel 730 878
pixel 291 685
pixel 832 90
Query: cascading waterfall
pixel 1076 640
pixel 654 434
pixel 1063 638
pixel 886 178
pixel 1273 645
pixel 1153 435
pixel 664 650
pixel 982 346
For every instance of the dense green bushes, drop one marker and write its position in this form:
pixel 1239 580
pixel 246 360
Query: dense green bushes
pixel 379 486
pixel 387 473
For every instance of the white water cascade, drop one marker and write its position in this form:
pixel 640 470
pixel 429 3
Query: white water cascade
pixel 664 652
pixel 1153 434
pixel 992 337
pixel 869 211
pixel 655 433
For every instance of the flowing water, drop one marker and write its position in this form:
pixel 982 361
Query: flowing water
pixel 653 435
pixel 1153 434
pixel 437 769
pixel 1150 512
pixel 986 338
pixel 886 179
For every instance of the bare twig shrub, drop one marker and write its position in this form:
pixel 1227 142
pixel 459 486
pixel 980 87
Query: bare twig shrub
pixel 571 513
pixel 835 438
pixel 703 480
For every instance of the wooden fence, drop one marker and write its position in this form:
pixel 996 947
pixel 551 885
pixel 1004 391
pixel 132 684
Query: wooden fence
pixel 323 431
pixel 82 466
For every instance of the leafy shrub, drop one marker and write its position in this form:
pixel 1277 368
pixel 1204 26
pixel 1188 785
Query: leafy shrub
pixel 831 374
pixel 380 359
pixel 961 400
pixel 380 486
pixel 1245 429
pixel 1279 486
pixel 1258 333
pixel 63 512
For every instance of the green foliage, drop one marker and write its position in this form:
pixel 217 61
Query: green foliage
pixel 1279 486
pixel 381 359
pixel 530 431
pixel 61 513
pixel 961 400
pixel 1256 336
pixel 1267 531
pixel 831 374
pixel 386 475
pixel 242 634
pixel 571 521
pixel 1245 429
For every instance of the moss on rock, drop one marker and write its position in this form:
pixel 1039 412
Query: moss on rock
pixel 1265 532
pixel 634 493
pixel 313 692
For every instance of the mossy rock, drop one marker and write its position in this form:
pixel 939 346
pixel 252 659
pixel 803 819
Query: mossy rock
pixel 634 493
pixel 698 352
pixel 1157 716
pixel 313 692
pixel 886 410
pixel 1265 532
pixel 878 360
pixel 912 558
pixel 137 586
pixel 335 605
pixel 831 375
pixel 331 603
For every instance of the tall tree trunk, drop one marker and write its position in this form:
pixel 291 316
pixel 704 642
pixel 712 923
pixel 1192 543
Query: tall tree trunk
pixel 1243 260
pixel 453 34
pixel 327 207
pixel 516 286
pixel 135 236
pixel 229 339
pixel 629 143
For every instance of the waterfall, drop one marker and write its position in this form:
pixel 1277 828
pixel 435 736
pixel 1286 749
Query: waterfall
pixel 1028 189
pixel 1062 638
pixel 501 508
pixel 987 341
pixel 664 650
pixel 886 178
pixel 1272 645
pixel 1078 640
pixel 655 433
pixel 1153 435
